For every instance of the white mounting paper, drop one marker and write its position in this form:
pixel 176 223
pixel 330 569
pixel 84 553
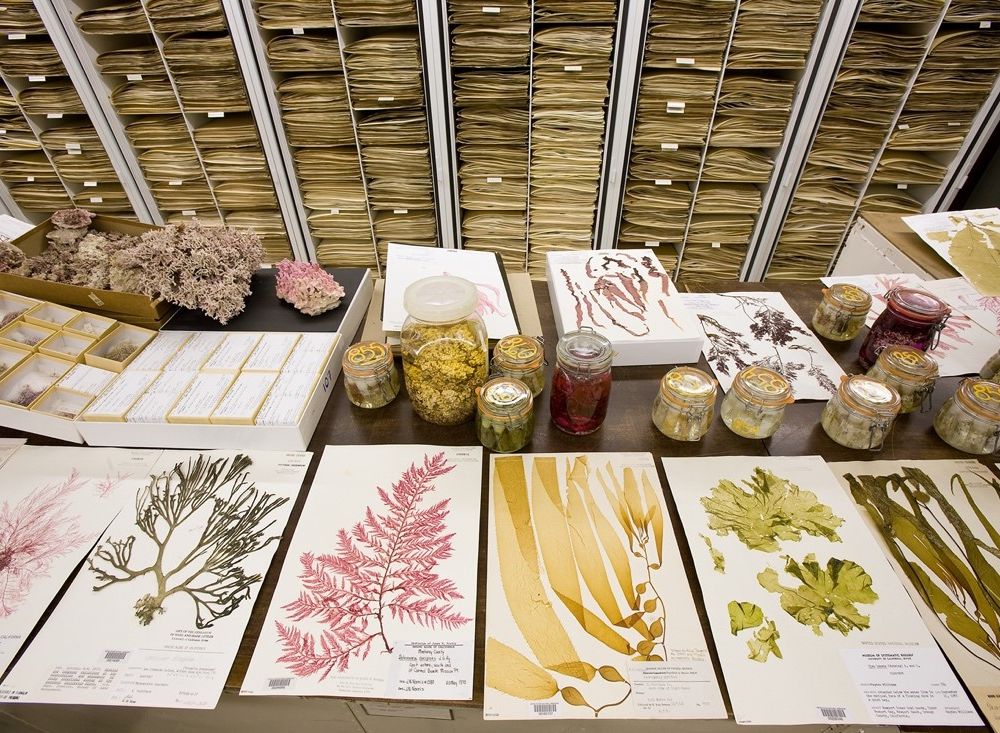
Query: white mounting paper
pixel 54 502
pixel 143 645
pixel 963 595
pixel 846 645
pixel 405 264
pixel 588 609
pixel 377 596
pixel 744 329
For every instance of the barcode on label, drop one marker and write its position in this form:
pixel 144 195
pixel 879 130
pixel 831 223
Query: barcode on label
pixel 113 655
pixel 544 708
pixel 279 683
pixel 833 713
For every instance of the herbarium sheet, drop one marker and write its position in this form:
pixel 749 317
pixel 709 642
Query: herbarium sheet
pixel 970 335
pixel 54 503
pixel 938 522
pixel 377 595
pixel 7 448
pixel 969 241
pixel 743 329
pixel 810 622
pixel 156 613
pixel 589 612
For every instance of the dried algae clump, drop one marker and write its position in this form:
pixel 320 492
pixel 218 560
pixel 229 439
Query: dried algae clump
pixel 718 559
pixel 764 641
pixel 824 597
pixel 769 509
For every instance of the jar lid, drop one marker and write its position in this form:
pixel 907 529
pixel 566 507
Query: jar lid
pixel 519 352
pixel 981 397
pixel 366 358
pixel 869 396
pixel 505 397
pixel 585 349
pixel 762 386
pixel 908 363
pixel 918 304
pixel 849 297
pixel 687 386
pixel 440 299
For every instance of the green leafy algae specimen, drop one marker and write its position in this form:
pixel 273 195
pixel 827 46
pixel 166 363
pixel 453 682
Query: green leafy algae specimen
pixel 824 596
pixel 718 559
pixel 768 509
pixel 764 641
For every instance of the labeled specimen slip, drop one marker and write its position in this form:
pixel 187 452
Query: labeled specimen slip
pixel 377 597
pixel 54 503
pixel 167 592
pixel 937 523
pixel 588 608
pixel 810 622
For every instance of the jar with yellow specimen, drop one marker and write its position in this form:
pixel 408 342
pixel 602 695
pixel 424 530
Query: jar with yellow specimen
pixel 370 375
pixel 861 414
pixel 521 357
pixel 910 372
pixel 970 420
pixel 444 347
pixel 755 404
pixel 683 406
pixel 506 414
pixel 841 313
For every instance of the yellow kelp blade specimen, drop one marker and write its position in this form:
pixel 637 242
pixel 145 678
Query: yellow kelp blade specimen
pixel 516 675
pixel 519 573
pixel 973 252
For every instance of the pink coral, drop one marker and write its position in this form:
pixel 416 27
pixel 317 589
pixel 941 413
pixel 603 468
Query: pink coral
pixel 72 218
pixel 308 287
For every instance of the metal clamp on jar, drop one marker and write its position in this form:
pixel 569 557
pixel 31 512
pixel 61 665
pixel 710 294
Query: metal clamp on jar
pixel 861 414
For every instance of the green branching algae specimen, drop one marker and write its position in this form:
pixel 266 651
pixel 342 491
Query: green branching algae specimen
pixel 215 494
pixel 950 570
pixel 824 596
pixel 718 559
pixel 766 509
pixel 764 641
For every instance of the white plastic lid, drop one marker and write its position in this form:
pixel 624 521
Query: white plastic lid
pixel 440 299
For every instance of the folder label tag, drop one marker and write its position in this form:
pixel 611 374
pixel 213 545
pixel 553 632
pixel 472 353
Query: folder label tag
pixel 716 245
pixel 298 31
pixel 492 9
pixel 676 106
pixel 30 179
pixel 904 126
pixel 400 211
pixel 572 68
pixel 494 179
pixel 651 243
pixel 985 24
pixel 54 115
pixel 901 186
pixel 216 115
pixel 133 77
pixel 954 124
pixel 89 184
pixel 3 132
pixel 334 211
pixel 96 200
pixel 16 36
pixel 664 182
pixel 685 61
pixel 72 146
pixel 176 183
pixel 33 77
pixel 189 212
pixel 668 146
pixel 387 99
pixel 74 151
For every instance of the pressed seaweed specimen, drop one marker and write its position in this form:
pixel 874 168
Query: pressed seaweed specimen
pixel 229 513
pixel 764 641
pixel 579 547
pixel 383 568
pixel 939 553
pixel 33 533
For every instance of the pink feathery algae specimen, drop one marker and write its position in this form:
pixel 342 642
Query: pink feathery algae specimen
pixel 383 569
pixel 308 287
pixel 33 533
pixel 191 265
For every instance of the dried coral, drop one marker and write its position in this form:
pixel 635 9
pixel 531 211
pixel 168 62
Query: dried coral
pixel 11 258
pixel 72 219
pixel 191 265
pixel 308 287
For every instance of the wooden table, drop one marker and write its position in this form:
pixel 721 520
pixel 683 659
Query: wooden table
pixel 628 428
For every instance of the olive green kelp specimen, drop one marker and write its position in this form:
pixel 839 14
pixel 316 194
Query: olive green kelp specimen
pixel 541 524
pixel 953 575
pixel 764 641
pixel 766 509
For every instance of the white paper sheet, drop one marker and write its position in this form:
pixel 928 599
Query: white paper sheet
pixel 847 645
pixel 968 240
pixel 959 293
pixel 965 344
pixel 589 613
pixel 217 517
pixel 973 644
pixel 7 448
pixel 405 264
pixel 762 329
pixel 377 596
pixel 54 503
